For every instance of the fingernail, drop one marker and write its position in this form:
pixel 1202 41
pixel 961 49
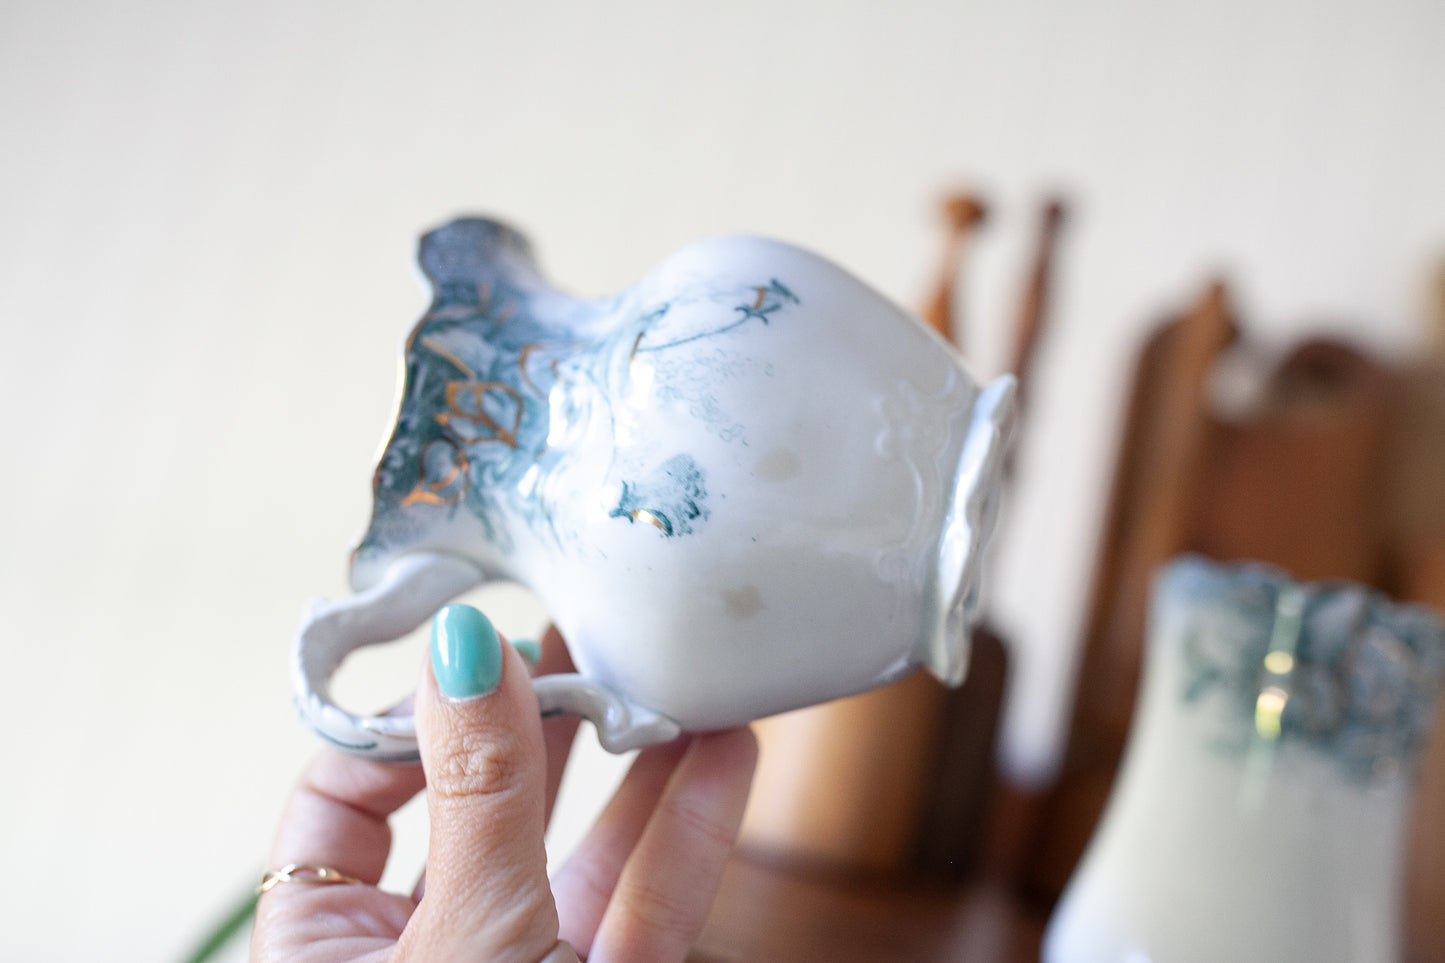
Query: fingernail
pixel 531 650
pixel 466 655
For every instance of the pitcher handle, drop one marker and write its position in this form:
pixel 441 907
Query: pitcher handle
pixel 414 588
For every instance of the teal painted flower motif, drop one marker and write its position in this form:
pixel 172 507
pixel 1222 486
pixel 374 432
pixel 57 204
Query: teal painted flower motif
pixel 672 498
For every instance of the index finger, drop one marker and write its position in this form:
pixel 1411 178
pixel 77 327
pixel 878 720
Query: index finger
pixel 558 732
pixel 662 898
pixel 337 814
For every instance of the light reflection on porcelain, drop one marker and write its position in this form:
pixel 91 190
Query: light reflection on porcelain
pixel 1260 810
pixel 747 484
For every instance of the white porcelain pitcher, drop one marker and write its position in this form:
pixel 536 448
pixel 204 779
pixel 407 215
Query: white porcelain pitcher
pixel 1260 808
pixel 746 484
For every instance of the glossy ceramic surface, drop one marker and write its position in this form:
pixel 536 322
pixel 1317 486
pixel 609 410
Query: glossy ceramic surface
pixel 1260 809
pixel 746 484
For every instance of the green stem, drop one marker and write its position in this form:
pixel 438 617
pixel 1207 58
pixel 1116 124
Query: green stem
pixel 235 921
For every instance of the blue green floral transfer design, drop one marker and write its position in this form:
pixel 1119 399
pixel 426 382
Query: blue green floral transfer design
pixel 502 372
pixel 672 498
pixel 1335 666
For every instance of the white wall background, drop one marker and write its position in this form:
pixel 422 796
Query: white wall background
pixel 207 214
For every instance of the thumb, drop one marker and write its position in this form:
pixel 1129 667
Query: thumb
pixel 487 894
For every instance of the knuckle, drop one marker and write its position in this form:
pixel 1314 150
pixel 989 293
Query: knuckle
pixel 474 763
pixel 662 911
pixel 595 882
pixel 702 828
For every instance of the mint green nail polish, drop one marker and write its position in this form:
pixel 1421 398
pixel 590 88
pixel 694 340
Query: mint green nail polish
pixel 531 650
pixel 466 655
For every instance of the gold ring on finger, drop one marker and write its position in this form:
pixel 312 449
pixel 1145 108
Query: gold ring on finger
pixel 308 873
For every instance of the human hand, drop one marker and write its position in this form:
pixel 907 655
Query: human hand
pixel 637 888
